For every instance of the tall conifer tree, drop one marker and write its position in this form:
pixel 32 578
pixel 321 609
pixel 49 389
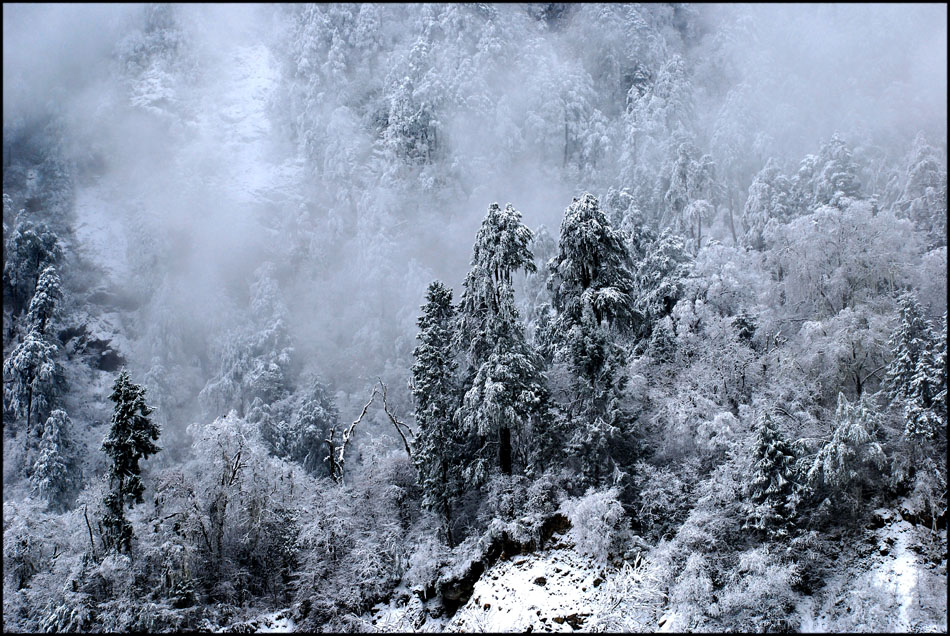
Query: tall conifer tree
pixel 131 438
pixel 505 389
pixel 435 392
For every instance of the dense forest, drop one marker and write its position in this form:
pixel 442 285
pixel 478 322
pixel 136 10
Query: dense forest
pixel 473 317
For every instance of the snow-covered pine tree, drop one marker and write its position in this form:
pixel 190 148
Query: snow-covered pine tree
pixel 767 202
pixel 29 250
pixel 924 395
pixel 255 359
pixel 131 438
pixel 843 463
pixel 315 415
pixel 838 173
pixel 56 470
pixel 923 197
pixel 501 247
pixel 823 178
pixel 662 347
pixel 939 373
pixel 30 378
pixel 591 272
pixel 910 341
pixel 435 393
pixel 504 386
pixel 922 462
pixel 592 285
pixel 771 490
pixel 45 302
pixel 659 277
pixel 676 197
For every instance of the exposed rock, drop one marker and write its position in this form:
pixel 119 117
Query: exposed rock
pixel 576 620
pixel 456 591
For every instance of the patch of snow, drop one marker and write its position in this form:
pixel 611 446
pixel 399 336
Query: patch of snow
pixel 552 591
pixel 890 589
pixel 666 623
pixel 901 571
pixel 276 622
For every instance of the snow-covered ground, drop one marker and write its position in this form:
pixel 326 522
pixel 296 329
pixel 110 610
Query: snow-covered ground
pixel 554 590
pixel 551 591
pixel 895 588
pixel 276 622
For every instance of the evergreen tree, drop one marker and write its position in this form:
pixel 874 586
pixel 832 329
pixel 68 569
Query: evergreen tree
pixel 131 438
pixel 590 275
pixel 925 402
pixel 838 174
pixel 939 374
pixel 662 346
pixel 923 197
pixel 771 490
pixel 45 302
pixel 30 378
pixel 824 178
pixel 296 428
pixel 677 194
pixel 768 202
pixel 487 304
pixel 435 393
pixel 504 376
pixel 910 341
pixel 843 462
pixel 592 286
pixel 659 279
pixel 29 250
pixel 921 462
pixel 56 470
pixel 255 360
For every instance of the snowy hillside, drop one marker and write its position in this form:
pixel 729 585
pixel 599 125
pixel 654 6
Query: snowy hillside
pixel 474 317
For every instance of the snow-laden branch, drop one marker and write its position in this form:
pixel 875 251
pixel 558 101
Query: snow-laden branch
pixel 336 458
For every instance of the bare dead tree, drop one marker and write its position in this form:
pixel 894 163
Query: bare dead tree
pixel 92 544
pixel 407 443
pixel 336 452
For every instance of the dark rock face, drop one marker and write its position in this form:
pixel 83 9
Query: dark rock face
pixel 456 591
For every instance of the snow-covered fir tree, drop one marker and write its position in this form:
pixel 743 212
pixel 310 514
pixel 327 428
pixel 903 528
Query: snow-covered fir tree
pixel 131 438
pixel 29 249
pixel 434 389
pixel 46 300
pixel 924 395
pixel 853 458
pixel 909 343
pixel 31 374
pixel 503 386
pixel 772 486
pixel 767 202
pixel 592 287
pixel 57 470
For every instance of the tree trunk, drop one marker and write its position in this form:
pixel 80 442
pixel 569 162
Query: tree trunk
pixel 29 413
pixel 446 510
pixel 504 450
pixel 699 232
pixel 732 225
pixel 565 140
